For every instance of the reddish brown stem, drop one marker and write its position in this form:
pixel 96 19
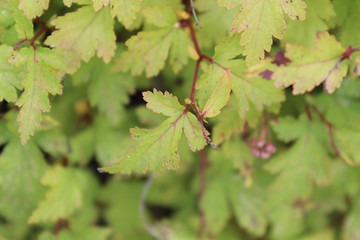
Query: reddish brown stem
pixel 349 51
pixel 195 79
pixel 193 37
pixel 59 225
pixel 330 127
pixel 32 40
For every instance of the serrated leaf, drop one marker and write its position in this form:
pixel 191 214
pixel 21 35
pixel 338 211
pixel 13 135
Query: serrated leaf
pixel 10 75
pixel 304 164
pixel 147 51
pixel 229 188
pixel 42 77
pixel 23 25
pixel 303 33
pixel 124 10
pixel 83 33
pixel 258 21
pixel 158 148
pixel 245 88
pixel 63 197
pixel 164 103
pixel 311 67
pixel 33 8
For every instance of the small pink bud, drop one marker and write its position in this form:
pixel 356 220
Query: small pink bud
pixel 270 148
pixel 255 152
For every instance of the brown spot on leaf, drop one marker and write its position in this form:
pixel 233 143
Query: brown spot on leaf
pixel 267 74
pixel 280 59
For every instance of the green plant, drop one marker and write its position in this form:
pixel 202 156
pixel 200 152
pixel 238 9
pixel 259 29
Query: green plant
pixel 266 93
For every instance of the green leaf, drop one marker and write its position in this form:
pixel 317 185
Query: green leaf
pixel 303 33
pixel 83 32
pixel 107 91
pixel 245 88
pixel 164 103
pixel 311 67
pixel 349 29
pixel 21 168
pixel 158 148
pixel 33 8
pixel 63 197
pixel 347 140
pixel 225 191
pixel 215 206
pixel 23 25
pixel 149 50
pixel 304 164
pixel 351 224
pixel 219 97
pixel 124 10
pixel 258 21
pixel 10 75
pixel 213 28
pixel 42 77
pixel 125 221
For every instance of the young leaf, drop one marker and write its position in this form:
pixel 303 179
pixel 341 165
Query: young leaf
pixel 23 25
pixel 219 97
pixel 258 21
pixel 83 32
pixel 311 67
pixel 158 147
pixel 66 188
pixel 42 78
pixel 10 75
pixel 259 91
pixel 149 50
pixel 124 10
pixel 33 8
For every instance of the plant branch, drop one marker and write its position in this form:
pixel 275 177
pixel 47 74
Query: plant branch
pixel 32 40
pixel 330 127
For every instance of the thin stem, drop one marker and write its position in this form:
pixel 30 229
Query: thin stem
pixel 195 79
pixel 330 127
pixel 32 40
pixel 194 13
pixel 141 207
pixel 193 37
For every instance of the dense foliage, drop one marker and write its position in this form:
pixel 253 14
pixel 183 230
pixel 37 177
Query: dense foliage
pixel 254 103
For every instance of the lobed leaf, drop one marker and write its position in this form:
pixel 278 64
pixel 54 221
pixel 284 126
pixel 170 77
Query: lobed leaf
pixel 83 33
pixel 258 21
pixel 158 148
pixel 33 8
pixel 149 50
pixel 42 77
pixel 311 67
pixel 63 197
